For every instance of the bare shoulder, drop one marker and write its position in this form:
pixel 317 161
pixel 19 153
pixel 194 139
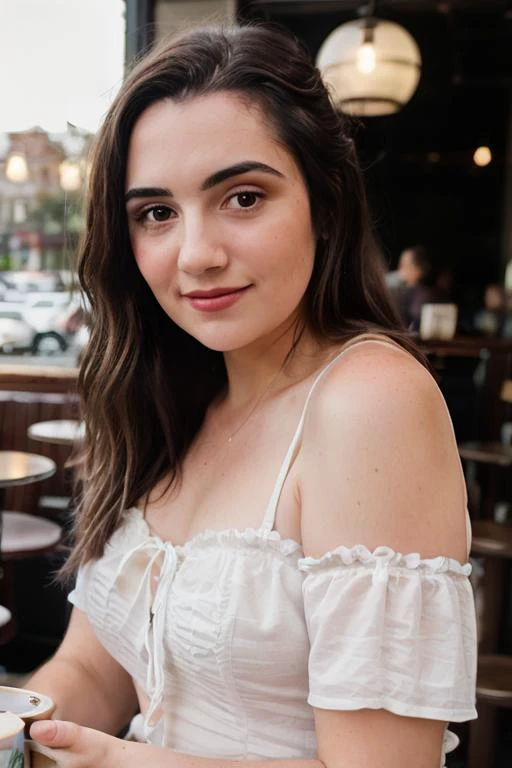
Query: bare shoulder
pixel 380 368
pixel 379 462
pixel 372 380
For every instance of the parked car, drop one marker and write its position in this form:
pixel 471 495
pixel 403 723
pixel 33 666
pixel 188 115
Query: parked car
pixel 9 294
pixel 25 281
pixel 15 333
pixel 31 326
pixel 43 310
pixel 48 343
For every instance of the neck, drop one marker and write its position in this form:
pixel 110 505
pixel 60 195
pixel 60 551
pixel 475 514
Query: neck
pixel 251 369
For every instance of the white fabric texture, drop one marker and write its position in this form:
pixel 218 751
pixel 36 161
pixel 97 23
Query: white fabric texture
pixel 390 631
pixel 234 637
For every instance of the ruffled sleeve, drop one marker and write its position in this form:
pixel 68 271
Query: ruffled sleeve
pixel 391 631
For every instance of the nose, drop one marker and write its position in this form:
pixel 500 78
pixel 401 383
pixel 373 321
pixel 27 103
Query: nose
pixel 200 249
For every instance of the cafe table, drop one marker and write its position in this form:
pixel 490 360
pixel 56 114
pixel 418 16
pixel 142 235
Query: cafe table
pixel 5 616
pixel 20 468
pixel 58 432
pixel 23 533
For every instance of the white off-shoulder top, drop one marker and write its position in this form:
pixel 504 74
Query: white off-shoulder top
pixel 235 636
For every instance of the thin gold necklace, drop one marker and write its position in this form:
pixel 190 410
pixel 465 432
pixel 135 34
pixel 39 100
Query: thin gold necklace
pixel 256 404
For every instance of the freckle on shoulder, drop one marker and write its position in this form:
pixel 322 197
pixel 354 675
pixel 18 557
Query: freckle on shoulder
pixel 372 369
pixel 350 396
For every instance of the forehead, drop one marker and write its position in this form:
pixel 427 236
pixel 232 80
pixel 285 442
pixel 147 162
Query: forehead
pixel 200 135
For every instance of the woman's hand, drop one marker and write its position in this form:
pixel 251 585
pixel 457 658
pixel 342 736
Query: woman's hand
pixel 72 746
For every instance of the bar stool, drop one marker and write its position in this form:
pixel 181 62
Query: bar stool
pixel 492 541
pixel 22 535
pixel 57 432
pixel 27 535
pixel 495 456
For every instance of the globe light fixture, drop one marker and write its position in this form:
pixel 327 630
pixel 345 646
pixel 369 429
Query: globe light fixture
pixel 16 168
pixel 482 156
pixel 371 67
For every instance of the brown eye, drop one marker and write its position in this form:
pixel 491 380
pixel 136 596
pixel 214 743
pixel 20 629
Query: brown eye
pixel 246 199
pixel 159 213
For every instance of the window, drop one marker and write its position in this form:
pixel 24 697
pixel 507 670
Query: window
pixel 68 58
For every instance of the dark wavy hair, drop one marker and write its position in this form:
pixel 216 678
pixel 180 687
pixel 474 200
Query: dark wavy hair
pixel 145 384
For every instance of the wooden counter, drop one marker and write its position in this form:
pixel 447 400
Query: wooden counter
pixel 466 346
pixel 31 378
pixel 495 367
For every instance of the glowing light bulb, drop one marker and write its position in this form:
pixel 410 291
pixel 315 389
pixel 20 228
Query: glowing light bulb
pixel 482 156
pixel 16 168
pixel 366 58
pixel 69 176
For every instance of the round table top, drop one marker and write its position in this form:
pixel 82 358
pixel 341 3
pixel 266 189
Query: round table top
pixel 5 616
pixel 60 432
pixel 18 468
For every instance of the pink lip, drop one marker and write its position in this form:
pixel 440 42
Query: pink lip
pixel 216 299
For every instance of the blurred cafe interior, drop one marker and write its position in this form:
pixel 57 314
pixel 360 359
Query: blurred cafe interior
pixel 429 85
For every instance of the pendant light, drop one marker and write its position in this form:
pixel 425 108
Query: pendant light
pixel 372 67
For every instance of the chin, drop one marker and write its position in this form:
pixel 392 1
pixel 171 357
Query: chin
pixel 228 340
pixel 223 345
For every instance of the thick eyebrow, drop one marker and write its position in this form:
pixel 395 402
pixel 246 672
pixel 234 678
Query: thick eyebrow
pixel 237 170
pixel 216 178
pixel 147 192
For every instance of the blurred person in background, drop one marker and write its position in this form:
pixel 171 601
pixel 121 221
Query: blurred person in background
pixel 412 285
pixel 495 318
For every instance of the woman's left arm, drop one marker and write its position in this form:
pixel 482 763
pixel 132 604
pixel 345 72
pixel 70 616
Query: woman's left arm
pixel 379 467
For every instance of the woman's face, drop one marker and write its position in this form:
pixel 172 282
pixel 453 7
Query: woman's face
pixel 219 220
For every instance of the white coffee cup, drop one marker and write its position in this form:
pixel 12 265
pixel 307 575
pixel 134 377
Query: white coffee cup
pixel 19 708
pixel 438 321
pixel 13 751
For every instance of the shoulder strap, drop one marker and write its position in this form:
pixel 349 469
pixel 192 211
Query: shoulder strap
pixel 270 514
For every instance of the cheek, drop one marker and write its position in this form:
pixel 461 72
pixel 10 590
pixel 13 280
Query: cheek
pixel 297 278
pixel 299 247
pixel 154 263
pixel 289 266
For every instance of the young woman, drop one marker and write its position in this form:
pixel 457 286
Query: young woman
pixel 265 451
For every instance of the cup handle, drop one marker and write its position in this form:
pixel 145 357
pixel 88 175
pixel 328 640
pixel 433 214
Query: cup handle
pixel 40 757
